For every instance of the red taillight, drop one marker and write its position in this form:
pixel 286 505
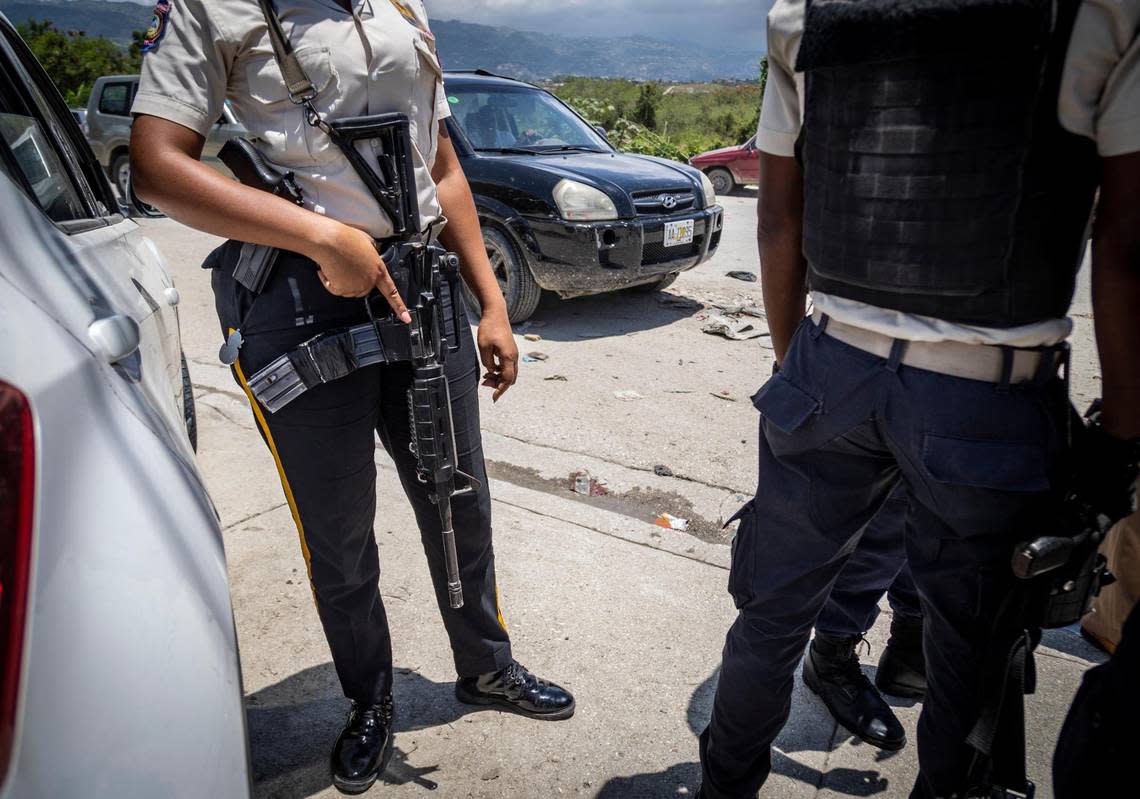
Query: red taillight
pixel 17 495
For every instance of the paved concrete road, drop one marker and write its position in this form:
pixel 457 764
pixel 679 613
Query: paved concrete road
pixel 628 615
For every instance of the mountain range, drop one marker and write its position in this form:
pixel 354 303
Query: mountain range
pixel 530 55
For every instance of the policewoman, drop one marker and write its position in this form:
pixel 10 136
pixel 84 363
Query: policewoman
pixel 362 57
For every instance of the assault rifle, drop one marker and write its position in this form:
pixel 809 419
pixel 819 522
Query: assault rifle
pixel 419 268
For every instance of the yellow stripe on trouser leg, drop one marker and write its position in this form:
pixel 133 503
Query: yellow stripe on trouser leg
pixel 253 403
pixel 499 609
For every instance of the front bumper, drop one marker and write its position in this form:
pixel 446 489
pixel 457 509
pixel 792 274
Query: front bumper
pixel 579 258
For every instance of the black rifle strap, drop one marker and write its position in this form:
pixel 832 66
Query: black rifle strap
pixel 301 89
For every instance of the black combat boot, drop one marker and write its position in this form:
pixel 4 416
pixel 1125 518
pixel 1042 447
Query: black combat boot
pixel 902 667
pixel 516 689
pixel 831 669
pixel 364 747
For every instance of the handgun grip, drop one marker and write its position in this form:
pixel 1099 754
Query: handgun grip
pixel 1042 555
pixel 250 167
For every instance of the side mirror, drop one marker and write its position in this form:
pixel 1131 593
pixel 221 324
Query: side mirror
pixel 602 132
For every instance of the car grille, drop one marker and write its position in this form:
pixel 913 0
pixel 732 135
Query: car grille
pixel 664 202
pixel 658 253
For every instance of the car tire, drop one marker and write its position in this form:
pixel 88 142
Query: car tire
pixel 512 271
pixel 189 411
pixel 723 181
pixel 657 285
pixel 121 174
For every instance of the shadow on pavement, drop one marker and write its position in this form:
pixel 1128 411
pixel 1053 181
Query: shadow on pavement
pixel 610 315
pixel 293 724
pixel 682 779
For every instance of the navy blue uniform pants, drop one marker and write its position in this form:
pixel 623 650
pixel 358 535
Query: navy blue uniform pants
pixel 841 430
pixel 325 446
pixel 877 566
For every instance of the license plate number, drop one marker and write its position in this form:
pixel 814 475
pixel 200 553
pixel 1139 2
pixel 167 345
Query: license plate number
pixel 678 233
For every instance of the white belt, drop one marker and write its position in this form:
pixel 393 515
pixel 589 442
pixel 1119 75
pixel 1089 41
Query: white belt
pixel 970 361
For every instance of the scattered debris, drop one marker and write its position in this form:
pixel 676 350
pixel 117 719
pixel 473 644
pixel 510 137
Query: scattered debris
pixel 557 379
pixel 670 522
pixel 733 329
pixel 747 277
pixel 742 310
pixel 628 396
pixel 588 486
pixel 663 471
pixel 532 337
pixel 723 395
pixel 535 357
pixel 679 391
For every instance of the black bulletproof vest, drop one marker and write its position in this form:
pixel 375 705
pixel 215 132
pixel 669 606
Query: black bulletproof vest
pixel 937 177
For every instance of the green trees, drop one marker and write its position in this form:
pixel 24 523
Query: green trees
pixel 648 101
pixel 74 60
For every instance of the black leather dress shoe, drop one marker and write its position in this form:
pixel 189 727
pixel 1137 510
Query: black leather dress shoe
pixel 902 667
pixel 831 669
pixel 364 747
pixel 516 689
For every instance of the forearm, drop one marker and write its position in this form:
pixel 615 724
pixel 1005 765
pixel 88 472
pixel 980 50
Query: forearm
pixel 780 237
pixel 1116 293
pixel 192 193
pixel 463 234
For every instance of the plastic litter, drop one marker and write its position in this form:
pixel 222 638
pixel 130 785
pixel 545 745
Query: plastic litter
pixel 747 277
pixel 535 357
pixel 628 396
pixel 582 482
pixel 557 379
pixel 733 329
pixel 671 522
pixel 532 337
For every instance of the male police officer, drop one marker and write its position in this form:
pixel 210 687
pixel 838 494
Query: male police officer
pixel 938 209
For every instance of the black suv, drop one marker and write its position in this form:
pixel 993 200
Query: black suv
pixel 563 210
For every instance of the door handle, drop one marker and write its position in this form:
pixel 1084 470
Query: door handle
pixel 115 337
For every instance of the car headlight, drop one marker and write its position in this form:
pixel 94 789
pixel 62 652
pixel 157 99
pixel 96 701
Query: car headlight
pixel 578 202
pixel 710 192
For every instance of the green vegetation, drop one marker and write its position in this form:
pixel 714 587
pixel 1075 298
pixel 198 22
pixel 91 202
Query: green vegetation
pixel 74 60
pixel 674 121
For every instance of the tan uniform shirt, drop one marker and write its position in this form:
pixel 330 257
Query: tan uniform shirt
pixel 379 59
pixel 1100 99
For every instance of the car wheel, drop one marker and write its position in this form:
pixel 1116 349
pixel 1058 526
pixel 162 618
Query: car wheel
pixel 121 174
pixel 722 181
pixel 190 413
pixel 659 285
pixel 512 272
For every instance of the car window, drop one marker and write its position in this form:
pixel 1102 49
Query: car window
pixel 116 99
pixel 497 117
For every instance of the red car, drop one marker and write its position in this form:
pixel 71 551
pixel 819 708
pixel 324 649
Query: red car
pixel 731 167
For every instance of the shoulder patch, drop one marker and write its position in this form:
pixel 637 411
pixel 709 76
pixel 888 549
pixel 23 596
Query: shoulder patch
pixel 158 25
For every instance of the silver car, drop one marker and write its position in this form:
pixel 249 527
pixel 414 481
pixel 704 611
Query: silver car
pixel 109 128
pixel 119 674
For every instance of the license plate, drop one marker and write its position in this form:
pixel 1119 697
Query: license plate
pixel 678 233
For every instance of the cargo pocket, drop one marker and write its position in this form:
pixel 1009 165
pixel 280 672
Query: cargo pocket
pixel 785 405
pixel 743 568
pixel 982 488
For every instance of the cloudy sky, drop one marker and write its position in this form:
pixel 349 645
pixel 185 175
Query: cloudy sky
pixel 735 24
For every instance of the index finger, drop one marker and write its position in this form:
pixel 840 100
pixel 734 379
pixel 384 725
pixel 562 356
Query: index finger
pixel 508 374
pixel 392 294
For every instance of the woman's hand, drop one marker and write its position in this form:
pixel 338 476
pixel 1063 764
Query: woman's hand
pixel 351 266
pixel 498 351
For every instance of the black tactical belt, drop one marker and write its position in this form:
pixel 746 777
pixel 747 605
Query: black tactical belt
pixel 329 357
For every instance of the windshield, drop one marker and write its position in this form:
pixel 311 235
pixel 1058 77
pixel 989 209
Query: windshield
pixel 513 118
